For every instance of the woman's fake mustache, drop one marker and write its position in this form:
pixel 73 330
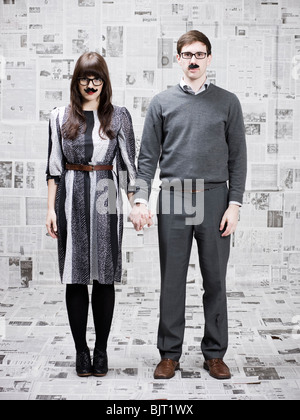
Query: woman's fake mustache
pixel 88 90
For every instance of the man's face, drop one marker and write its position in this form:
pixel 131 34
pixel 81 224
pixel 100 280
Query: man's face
pixel 194 68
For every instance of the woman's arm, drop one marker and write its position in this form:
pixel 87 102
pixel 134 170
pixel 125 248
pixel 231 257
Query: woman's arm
pixel 51 221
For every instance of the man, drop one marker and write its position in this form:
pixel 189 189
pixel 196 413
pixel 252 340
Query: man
pixel 196 131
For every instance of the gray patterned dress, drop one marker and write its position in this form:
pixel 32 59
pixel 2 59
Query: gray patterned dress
pixel 90 239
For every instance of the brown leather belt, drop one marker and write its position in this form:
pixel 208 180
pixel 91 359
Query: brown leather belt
pixel 88 168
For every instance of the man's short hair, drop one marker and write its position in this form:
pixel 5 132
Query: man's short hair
pixel 191 37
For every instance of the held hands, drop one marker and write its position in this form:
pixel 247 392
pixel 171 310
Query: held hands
pixel 140 216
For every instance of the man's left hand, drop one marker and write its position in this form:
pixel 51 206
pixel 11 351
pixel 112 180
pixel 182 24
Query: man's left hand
pixel 230 220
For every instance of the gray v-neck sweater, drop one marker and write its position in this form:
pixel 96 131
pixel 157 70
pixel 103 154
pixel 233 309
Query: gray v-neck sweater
pixel 194 137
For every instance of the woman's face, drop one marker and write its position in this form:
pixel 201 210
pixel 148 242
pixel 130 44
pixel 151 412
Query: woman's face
pixel 90 88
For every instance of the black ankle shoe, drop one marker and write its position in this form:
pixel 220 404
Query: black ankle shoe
pixel 100 364
pixel 84 364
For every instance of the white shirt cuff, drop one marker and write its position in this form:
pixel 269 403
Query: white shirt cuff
pixel 141 201
pixel 235 202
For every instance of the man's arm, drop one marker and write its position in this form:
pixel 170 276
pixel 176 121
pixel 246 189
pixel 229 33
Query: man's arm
pixel 147 164
pixel 237 165
pixel 237 157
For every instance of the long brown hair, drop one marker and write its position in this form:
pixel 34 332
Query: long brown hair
pixel 90 64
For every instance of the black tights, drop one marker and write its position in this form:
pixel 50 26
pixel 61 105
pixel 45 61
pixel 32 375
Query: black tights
pixel 103 303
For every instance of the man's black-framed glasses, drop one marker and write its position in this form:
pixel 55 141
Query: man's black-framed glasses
pixel 188 55
pixel 85 81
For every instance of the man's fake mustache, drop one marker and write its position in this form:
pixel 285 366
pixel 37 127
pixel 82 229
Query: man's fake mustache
pixel 193 66
pixel 88 90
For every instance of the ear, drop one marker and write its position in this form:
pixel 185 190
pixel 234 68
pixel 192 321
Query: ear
pixel 179 59
pixel 209 60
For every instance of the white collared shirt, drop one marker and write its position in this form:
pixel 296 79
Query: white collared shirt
pixel 188 88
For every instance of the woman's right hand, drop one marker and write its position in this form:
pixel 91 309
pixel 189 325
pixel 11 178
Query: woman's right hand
pixel 51 224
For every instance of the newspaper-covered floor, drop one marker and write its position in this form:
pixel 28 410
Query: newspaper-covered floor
pixel 37 353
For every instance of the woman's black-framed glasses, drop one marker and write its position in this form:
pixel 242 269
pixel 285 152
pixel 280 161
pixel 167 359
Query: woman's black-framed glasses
pixel 188 55
pixel 85 81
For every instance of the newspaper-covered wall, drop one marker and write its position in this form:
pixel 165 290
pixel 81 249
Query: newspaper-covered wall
pixel 256 54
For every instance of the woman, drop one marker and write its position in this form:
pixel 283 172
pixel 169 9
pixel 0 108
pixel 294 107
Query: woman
pixel 90 143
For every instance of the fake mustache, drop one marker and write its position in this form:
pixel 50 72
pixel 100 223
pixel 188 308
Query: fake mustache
pixel 88 90
pixel 193 66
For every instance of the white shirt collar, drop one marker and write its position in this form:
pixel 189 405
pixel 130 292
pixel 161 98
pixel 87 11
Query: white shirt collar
pixel 186 88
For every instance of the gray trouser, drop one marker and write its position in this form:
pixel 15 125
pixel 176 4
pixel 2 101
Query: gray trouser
pixel 175 242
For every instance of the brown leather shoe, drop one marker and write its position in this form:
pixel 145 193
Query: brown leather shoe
pixel 217 369
pixel 166 369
